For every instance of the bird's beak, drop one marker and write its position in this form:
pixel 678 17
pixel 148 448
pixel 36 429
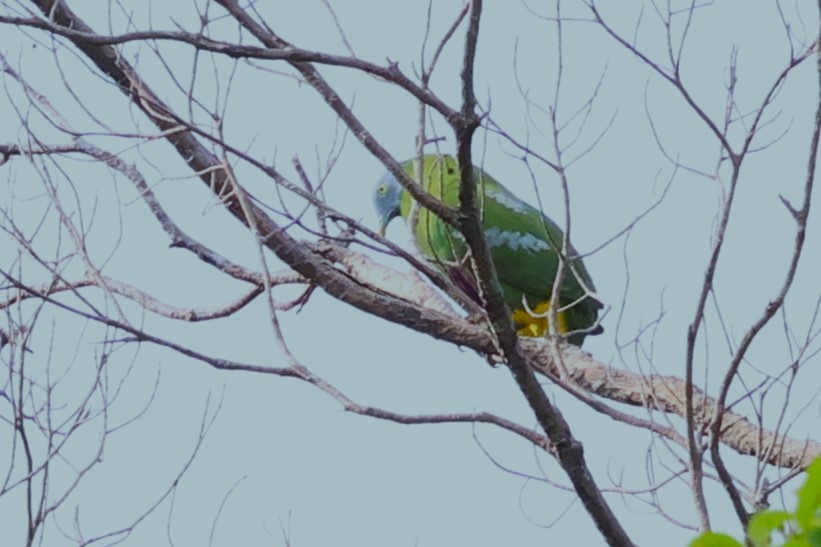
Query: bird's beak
pixel 385 220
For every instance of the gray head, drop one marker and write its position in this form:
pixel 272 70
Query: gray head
pixel 386 199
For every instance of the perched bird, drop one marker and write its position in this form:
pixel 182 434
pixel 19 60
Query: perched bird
pixel 523 244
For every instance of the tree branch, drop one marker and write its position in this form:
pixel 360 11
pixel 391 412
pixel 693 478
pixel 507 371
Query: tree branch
pixel 569 451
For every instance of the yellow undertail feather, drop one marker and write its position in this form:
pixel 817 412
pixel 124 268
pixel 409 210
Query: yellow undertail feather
pixel 535 324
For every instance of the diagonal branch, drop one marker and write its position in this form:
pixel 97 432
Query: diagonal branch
pixel 213 173
pixel 569 451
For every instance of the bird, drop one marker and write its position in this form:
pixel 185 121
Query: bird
pixel 523 244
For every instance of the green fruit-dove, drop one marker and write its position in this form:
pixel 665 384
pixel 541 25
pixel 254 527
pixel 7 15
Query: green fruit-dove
pixel 523 245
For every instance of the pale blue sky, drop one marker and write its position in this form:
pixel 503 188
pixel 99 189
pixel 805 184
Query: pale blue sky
pixel 341 479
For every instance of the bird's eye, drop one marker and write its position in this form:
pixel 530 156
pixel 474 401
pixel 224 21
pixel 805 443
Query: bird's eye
pixel 382 190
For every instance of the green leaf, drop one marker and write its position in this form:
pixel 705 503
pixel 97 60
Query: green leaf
pixel 809 496
pixel 763 524
pixel 814 536
pixel 713 539
pixel 797 541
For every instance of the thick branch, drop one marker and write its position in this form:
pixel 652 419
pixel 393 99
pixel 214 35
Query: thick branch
pixel 656 392
pixel 570 452
pixel 666 394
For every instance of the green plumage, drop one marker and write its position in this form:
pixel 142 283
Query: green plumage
pixel 522 242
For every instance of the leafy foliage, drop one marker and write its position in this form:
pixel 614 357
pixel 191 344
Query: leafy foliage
pixel 800 528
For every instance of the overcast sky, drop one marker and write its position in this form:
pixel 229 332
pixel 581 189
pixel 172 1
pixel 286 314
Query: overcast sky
pixel 281 453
